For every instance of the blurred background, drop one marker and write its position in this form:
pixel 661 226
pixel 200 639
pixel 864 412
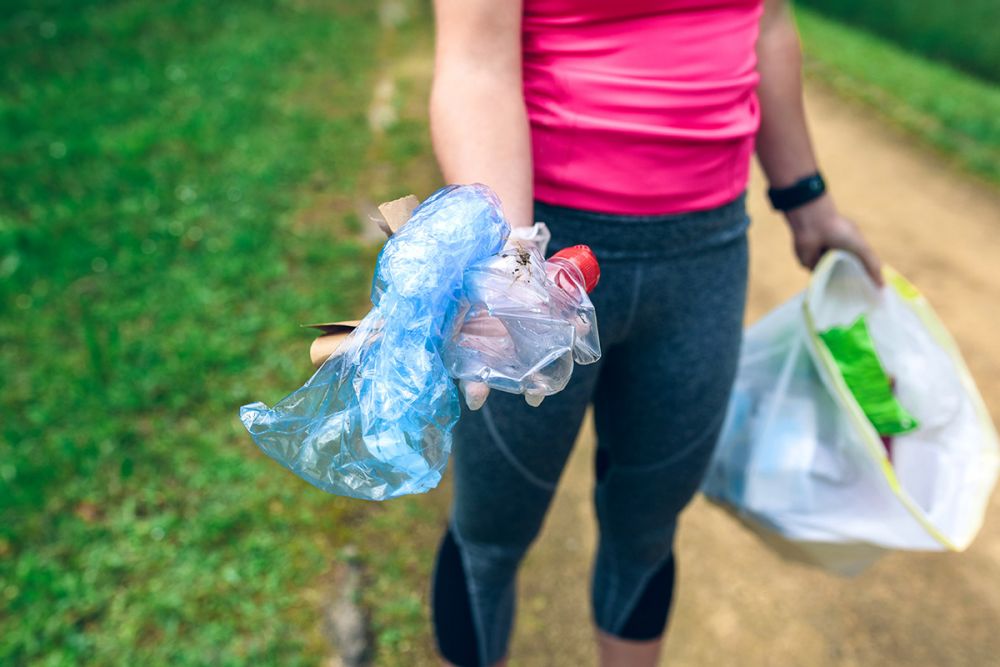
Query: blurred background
pixel 182 183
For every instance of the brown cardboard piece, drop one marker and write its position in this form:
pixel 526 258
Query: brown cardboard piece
pixel 334 333
pixel 393 215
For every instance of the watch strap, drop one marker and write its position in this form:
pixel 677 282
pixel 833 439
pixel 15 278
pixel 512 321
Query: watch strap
pixel 799 193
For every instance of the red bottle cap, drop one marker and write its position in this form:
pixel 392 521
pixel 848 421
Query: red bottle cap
pixel 582 257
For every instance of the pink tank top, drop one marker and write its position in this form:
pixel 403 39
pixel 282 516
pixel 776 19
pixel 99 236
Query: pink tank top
pixel 641 107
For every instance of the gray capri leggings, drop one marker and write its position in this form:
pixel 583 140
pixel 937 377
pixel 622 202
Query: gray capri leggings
pixel 670 311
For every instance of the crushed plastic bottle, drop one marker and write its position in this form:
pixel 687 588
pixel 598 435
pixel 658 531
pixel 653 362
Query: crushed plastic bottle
pixel 375 420
pixel 528 320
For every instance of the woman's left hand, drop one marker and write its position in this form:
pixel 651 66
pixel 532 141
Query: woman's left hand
pixel 818 227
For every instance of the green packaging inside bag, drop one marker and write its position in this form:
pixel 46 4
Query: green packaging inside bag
pixel 854 352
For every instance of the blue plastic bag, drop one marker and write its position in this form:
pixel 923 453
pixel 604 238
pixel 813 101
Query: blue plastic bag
pixel 375 420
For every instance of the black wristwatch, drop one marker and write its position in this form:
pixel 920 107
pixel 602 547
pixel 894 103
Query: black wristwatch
pixel 800 193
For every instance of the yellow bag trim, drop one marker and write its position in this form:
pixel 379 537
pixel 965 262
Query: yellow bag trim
pixel 918 304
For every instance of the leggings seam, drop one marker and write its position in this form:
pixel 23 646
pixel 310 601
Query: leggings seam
pixel 610 603
pixel 502 446
pixel 627 609
pixel 474 601
pixel 693 445
pixel 497 638
pixel 634 305
pixel 609 548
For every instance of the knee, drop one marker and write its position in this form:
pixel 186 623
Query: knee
pixel 501 524
pixel 637 506
pixel 637 518
pixel 493 555
pixel 638 550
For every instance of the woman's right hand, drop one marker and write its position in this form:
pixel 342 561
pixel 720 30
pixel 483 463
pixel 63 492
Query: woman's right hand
pixel 487 328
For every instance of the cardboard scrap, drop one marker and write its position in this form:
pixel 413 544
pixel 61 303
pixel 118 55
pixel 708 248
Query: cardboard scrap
pixel 334 333
pixel 394 215
pixel 397 212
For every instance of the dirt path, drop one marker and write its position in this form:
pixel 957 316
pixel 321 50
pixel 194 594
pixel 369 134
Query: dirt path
pixel 737 603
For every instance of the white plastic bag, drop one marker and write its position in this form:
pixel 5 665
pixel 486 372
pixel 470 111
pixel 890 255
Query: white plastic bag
pixel 803 466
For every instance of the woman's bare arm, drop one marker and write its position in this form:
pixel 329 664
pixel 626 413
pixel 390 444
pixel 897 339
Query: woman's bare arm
pixel 478 120
pixel 785 150
pixel 783 145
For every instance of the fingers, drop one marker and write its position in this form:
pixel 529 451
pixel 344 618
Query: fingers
pixel 873 265
pixel 483 324
pixel 534 399
pixel 475 393
pixel 850 238
pixel 809 254
pixel 811 242
pixel 869 260
pixel 854 243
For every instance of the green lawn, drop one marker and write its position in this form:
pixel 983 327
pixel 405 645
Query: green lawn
pixel 177 195
pixel 962 33
pixel 955 113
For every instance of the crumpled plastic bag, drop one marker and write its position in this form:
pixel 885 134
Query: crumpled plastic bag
pixel 375 421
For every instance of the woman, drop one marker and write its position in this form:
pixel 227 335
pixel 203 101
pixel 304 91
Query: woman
pixel 628 126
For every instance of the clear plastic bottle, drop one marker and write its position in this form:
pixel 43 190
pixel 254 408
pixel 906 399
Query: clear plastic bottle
pixel 527 321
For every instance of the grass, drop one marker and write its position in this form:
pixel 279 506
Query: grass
pixel 963 34
pixel 951 111
pixel 178 180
